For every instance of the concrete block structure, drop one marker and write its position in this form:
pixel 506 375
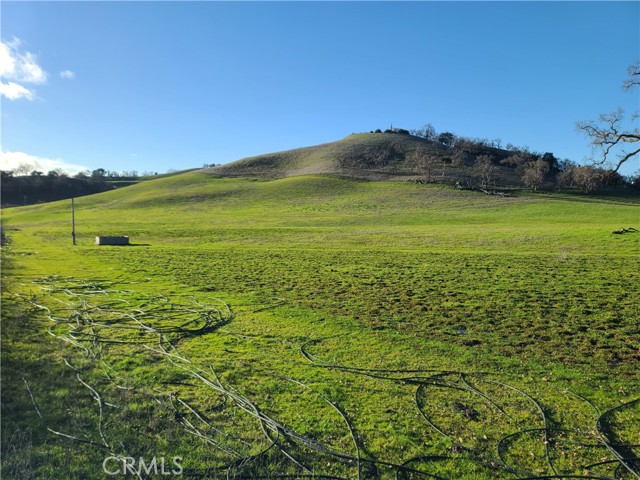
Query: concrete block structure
pixel 118 240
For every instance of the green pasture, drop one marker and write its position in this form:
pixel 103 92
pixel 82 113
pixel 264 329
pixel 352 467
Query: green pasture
pixel 323 327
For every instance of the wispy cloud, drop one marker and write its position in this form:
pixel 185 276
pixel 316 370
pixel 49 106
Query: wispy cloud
pixel 27 163
pixel 18 67
pixel 67 74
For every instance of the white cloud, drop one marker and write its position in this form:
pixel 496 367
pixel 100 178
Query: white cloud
pixel 27 70
pixel 68 74
pixel 21 160
pixel 7 62
pixel 17 68
pixel 14 91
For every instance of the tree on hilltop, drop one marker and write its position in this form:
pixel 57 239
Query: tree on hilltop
pixel 426 131
pixel 447 139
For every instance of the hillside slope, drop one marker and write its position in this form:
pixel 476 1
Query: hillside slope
pixel 312 210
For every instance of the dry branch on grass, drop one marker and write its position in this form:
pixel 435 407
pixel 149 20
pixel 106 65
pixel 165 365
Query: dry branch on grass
pixel 298 449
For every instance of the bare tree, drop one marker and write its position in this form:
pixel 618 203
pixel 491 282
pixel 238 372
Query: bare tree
pixel 423 162
pixel 429 132
pixel 534 173
pixel 22 169
pixel 564 178
pixel 426 131
pixel 379 156
pixel 484 165
pixel 589 178
pixel 614 143
pixel 516 160
pixel 460 157
pixel 634 76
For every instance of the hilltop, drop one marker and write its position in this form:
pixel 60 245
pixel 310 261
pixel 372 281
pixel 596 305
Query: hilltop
pixel 444 158
pixel 372 156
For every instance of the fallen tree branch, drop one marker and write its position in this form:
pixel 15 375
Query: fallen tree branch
pixel 625 230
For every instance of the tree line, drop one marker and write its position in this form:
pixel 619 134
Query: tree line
pixel 20 187
pixel 533 170
pixel 489 164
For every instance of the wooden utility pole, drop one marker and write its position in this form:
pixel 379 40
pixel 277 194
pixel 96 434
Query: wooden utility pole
pixel 73 221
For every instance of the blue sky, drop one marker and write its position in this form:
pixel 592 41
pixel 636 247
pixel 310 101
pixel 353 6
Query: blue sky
pixel 153 86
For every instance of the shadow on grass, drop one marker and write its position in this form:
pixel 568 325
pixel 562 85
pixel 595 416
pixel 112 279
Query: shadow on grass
pixel 127 245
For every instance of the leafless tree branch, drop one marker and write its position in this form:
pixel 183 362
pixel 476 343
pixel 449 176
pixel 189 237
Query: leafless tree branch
pixel 609 137
pixel 634 76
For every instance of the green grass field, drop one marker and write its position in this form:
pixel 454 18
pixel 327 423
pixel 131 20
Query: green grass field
pixel 322 327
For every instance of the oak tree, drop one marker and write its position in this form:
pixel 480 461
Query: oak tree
pixel 615 142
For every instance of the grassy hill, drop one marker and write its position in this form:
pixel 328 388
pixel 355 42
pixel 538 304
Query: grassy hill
pixel 398 155
pixel 373 156
pixel 325 326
